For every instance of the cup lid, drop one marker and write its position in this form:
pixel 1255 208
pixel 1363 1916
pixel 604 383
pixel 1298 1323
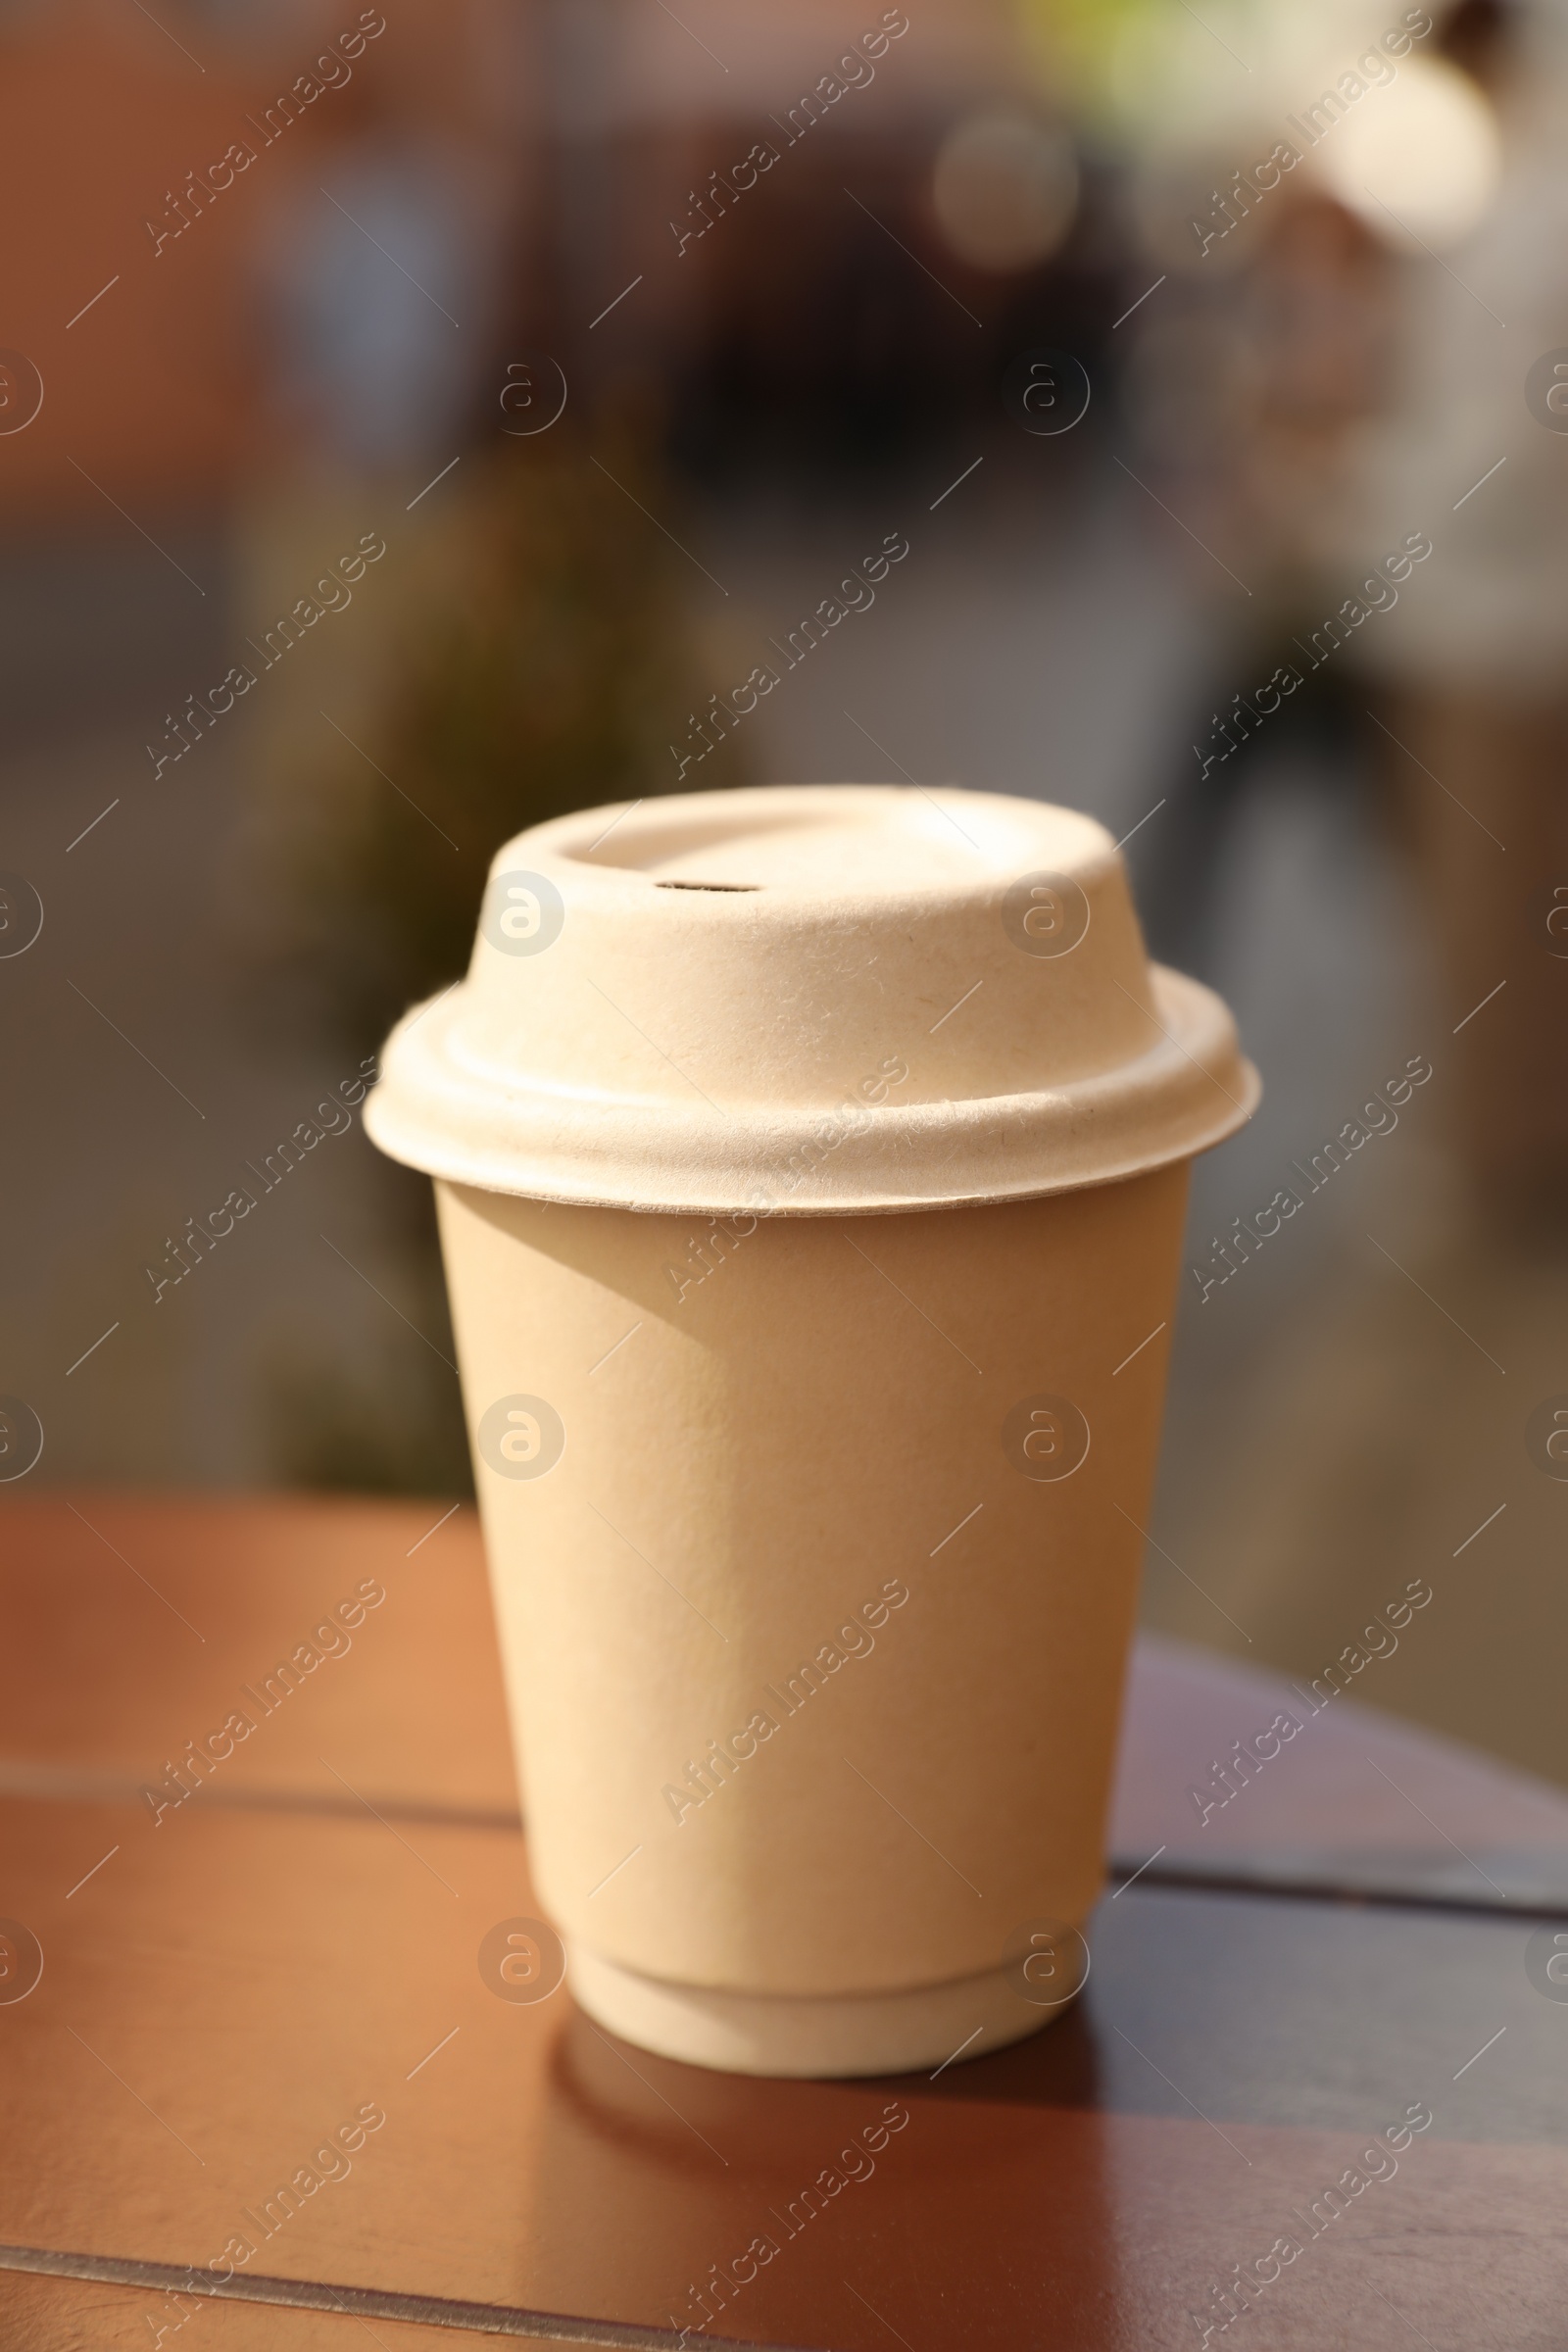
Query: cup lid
pixel 810 1001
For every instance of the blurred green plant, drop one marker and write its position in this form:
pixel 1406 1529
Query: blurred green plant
pixel 552 673
pixel 555 677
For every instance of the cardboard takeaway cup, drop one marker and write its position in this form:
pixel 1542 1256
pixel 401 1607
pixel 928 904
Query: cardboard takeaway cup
pixel 811 1164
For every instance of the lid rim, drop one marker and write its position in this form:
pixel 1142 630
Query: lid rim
pixel 1095 1130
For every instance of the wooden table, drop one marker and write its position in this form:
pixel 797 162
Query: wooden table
pixel 226 1987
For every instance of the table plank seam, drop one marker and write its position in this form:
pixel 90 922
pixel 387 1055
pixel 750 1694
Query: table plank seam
pixel 366 2302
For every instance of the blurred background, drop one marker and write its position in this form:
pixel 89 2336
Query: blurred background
pixel 417 422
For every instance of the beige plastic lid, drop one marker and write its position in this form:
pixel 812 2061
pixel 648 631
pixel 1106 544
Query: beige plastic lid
pixel 810 1001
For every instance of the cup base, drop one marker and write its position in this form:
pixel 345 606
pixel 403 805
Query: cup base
pixel 768 2034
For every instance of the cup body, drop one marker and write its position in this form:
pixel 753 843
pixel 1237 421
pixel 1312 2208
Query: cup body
pixel 815 1544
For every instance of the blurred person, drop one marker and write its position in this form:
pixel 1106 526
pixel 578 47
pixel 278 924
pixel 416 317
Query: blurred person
pixel 1342 404
pixel 1371 400
pixel 1470 672
pixel 378 245
pixel 370 293
pixel 1245 401
pixel 1376 1413
pixel 1252 338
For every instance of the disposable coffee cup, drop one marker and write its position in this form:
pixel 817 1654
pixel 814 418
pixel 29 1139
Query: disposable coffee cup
pixel 811 1164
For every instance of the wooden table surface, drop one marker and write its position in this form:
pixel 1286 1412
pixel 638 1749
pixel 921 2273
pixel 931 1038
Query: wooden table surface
pixel 1362 1932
